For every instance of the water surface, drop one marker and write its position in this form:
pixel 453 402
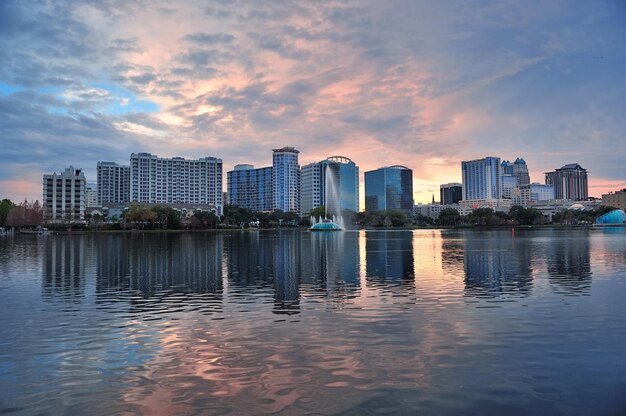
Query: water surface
pixel 291 322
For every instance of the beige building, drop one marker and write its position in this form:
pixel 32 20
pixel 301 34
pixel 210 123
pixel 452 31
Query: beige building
pixel 615 199
pixel 64 195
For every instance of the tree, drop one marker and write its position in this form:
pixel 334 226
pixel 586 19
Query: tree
pixel 397 218
pixel 525 216
pixel 449 216
pixel 481 216
pixel 141 215
pixel 26 214
pixel 203 220
pixel 167 217
pixel 318 212
pixel 5 208
pixel 236 215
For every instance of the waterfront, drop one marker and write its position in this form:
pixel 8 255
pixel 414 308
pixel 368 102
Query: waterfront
pixel 369 322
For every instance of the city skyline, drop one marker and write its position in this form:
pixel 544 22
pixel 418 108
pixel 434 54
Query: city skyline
pixel 413 83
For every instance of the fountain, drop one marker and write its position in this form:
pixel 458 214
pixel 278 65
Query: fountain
pixel 331 195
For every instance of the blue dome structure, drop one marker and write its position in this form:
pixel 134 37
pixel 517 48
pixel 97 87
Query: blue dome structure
pixel 326 225
pixel 615 217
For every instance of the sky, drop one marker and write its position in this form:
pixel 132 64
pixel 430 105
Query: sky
pixel 423 84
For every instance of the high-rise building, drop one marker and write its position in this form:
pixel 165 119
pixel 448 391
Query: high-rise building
pixel 520 171
pixel 450 193
pixel 615 199
pixel 570 182
pixel 389 188
pixel 64 195
pixel 286 179
pixel 509 183
pixel 113 183
pixel 507 167
pixel 91 195
pixel 250 188
pixel 158 180
pixel 333 183
pixel 482 179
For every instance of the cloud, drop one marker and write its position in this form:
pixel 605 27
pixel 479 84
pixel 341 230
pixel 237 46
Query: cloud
pixel 209 38
pixel 419 83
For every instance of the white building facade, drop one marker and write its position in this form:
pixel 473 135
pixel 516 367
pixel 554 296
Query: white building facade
pixel 156 180
pixel 113 183
pixel 64 196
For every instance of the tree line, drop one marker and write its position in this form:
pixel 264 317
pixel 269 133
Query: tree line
pixel 31 214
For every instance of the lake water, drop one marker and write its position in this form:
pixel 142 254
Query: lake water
pixel 291 322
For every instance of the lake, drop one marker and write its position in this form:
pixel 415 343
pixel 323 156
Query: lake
pixel 432 322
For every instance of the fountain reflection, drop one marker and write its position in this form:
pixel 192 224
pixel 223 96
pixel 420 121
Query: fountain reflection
pixel 293 264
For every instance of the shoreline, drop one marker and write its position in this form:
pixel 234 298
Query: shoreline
pixel 405 228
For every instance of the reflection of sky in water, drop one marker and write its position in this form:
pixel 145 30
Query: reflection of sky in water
pixel 295 322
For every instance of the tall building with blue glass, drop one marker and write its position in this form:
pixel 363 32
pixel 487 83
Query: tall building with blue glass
pixel 333 182
pixel 250 188
pixel 286 179
pixel 389 188
pixel 482 179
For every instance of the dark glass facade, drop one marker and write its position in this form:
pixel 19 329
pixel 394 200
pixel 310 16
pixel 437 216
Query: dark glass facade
pixel 450 193
pixel 250 188
pixel 389 188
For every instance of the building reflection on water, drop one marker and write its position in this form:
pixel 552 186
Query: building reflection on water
pixel 322 264
pixel 64 267
pixel 282 267
pixel 150 264
pixel 389 257
pixel 497 264
pixel 569 265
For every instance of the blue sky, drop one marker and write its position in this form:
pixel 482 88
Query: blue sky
pixel 419 83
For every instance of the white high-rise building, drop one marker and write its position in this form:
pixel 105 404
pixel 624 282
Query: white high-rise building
pixel 91 195
pixel 64 195
pixel 482 179
pixel 286 179
pixel 113 183
pixel 176 180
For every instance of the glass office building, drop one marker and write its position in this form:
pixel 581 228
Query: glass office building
pixel 450 193
pixel 389 188
pixel 333 182
pixel 250 188
pixel 482 179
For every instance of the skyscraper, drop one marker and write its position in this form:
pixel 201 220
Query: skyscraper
pixel 482 179
pixel 64 195
pixel 507 167
pixel 331 181
pixel 520 172
pixel 509 183
pixel 250 188
pixel 450 193
pixel 570 182
pixel 113 183
pixel 518 169
pixel 286 179
pixel 389 188
pixel 158 180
